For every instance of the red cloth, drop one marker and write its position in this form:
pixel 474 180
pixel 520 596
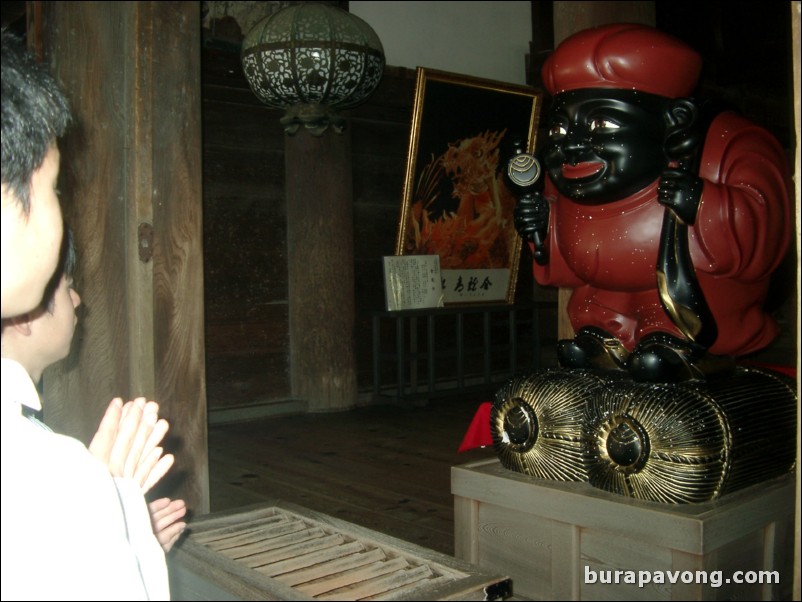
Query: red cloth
pixel 478 433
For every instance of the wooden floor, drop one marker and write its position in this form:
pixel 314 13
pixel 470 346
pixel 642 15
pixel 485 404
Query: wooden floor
pixel 384 467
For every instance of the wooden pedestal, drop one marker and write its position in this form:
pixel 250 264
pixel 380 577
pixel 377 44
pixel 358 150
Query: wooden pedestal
pixel 569 541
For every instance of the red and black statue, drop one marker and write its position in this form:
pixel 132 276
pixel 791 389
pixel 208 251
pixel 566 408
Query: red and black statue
pixel 664 215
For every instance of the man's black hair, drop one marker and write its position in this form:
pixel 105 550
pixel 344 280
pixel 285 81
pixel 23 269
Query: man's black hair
pixel 35 113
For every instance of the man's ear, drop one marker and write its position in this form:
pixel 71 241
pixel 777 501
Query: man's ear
pixel 22 324
pixel 684 136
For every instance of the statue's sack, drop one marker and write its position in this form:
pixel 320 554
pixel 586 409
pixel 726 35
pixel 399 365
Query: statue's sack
pixel 692 441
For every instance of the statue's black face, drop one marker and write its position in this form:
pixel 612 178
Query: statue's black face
pixel 605 145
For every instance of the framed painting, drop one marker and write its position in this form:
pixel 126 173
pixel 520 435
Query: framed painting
pixel 456 202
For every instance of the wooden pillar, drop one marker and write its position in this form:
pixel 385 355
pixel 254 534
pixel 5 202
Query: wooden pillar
pixel 320 261
pixel 131 191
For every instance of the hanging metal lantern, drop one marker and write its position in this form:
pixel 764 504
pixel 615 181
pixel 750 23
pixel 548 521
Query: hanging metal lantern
pixel 312 59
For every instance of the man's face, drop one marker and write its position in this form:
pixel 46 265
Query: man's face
pixel 52 329
pixel 31 243
pixel 605 145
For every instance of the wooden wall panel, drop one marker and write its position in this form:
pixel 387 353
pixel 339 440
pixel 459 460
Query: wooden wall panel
pixel 245 233
pixel 245 241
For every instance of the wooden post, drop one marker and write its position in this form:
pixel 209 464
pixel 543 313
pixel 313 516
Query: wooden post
pixel 131 184
pixel 320 262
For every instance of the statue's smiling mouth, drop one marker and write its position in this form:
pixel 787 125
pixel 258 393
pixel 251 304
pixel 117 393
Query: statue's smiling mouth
pixel 585 169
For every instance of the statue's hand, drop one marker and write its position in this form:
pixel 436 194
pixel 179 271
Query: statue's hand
pixel 681 192
pixel 532 221
pixel 531 216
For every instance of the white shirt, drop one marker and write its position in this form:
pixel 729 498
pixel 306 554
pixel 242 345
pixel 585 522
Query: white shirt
pixel 70 531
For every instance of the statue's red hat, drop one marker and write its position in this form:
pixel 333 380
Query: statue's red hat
pixel 624 56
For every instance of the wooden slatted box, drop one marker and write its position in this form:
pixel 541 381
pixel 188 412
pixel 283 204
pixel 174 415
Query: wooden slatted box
pixel 565 541
pixel 281 551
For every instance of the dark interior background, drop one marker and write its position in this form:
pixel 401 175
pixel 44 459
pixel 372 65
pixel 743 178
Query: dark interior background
pixel 246 278
pixel 747 62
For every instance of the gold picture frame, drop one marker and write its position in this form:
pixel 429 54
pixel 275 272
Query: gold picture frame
pixel 456 202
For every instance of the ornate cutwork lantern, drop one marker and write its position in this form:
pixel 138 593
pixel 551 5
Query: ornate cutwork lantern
pixel 312 59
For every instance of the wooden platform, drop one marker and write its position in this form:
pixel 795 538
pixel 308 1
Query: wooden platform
pixel 385 467
pixel 569 541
